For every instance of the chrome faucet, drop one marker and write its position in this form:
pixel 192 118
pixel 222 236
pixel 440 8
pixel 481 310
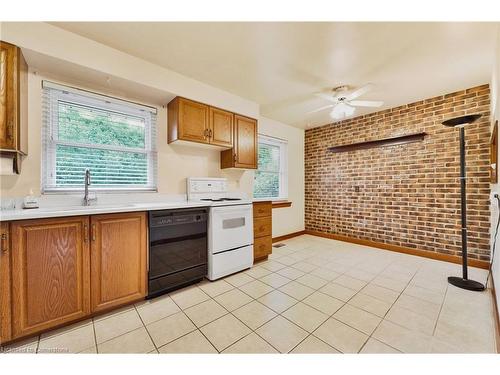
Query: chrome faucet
pixel 87 199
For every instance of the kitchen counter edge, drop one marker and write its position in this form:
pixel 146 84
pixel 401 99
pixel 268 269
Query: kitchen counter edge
pixel 44 213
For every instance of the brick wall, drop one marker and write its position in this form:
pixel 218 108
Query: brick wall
pixel 409 195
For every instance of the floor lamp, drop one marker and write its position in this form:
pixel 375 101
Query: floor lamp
pixel 463 282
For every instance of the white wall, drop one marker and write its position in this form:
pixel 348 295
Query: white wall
pixel 289 219
pixel 495 188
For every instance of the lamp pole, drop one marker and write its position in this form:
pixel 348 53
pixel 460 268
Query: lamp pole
pixel 463 282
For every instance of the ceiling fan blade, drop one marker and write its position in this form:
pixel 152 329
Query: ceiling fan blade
pixel 326 97
pixel 321 108
pixel 366 103
pixel 357 93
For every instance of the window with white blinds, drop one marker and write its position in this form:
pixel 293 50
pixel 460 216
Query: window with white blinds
pixel 113 138
pixel 271 177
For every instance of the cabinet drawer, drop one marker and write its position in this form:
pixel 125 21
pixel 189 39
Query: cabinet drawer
pixel 262 226
pixel 262 247
pixel 262 209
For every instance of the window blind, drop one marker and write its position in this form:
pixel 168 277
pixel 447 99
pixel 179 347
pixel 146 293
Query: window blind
pixel 113 138
pixel 270 179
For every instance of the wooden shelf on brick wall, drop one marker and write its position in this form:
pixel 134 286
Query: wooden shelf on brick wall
pixel 401 140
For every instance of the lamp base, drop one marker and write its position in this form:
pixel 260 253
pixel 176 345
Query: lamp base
pixel 466 284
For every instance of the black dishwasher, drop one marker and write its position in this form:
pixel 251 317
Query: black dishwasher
pixel 177 249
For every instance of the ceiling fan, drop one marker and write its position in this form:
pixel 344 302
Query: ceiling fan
pixel 343 101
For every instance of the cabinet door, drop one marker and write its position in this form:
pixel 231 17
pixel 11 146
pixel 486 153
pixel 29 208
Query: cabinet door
pixel 5 300
pixel 193 121
pixel 50 273
pixel 245 144
pixel 118 260
pixel 221 127
pixel 7 96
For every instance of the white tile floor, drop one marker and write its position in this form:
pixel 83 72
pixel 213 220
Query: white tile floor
pixel 313 295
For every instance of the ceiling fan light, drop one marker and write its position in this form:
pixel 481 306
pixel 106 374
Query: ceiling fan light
pixel 341 111
pixel 349 110
pixel 336 114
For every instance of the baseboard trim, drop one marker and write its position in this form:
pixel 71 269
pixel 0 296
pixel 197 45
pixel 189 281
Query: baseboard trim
pixel 401 249
pixel 288 236
pixel 497 317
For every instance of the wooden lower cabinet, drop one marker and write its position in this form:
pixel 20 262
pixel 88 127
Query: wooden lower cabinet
pixel 118 260
pixel 5 288
pixel 65 269
pixel 262 230
pixel 50 273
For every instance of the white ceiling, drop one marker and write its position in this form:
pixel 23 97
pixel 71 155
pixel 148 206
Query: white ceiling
pixel 281 65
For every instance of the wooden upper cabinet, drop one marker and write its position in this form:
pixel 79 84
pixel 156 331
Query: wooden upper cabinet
pixel 188 121
pixel 118 260
pixel 197 122
pixel 244 152
pixel 221 127
pixel 50 273
pixel 245 142
pixel 13 99
pixel 5 291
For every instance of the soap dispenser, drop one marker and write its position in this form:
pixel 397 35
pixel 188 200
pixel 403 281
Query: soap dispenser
pixel 30 201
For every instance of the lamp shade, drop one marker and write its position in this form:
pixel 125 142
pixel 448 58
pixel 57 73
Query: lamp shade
pixel 462 120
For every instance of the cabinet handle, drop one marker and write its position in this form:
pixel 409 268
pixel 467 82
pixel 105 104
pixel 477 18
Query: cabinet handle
pixel 3 239
pixel 85 233
pixel 93 232
pixel 205 133
pixel 210 133
pixel 234 158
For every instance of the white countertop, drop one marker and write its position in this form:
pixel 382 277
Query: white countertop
pixel 60 205
pixel 77 210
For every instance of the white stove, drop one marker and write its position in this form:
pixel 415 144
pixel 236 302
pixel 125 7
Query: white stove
pixel 230 226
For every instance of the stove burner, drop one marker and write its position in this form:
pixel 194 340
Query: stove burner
pixel 221 199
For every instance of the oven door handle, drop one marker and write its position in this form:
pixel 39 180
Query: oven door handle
pixel 234 222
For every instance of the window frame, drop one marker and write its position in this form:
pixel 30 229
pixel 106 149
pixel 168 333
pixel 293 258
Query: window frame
pixel 283 167
pixel 50 132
